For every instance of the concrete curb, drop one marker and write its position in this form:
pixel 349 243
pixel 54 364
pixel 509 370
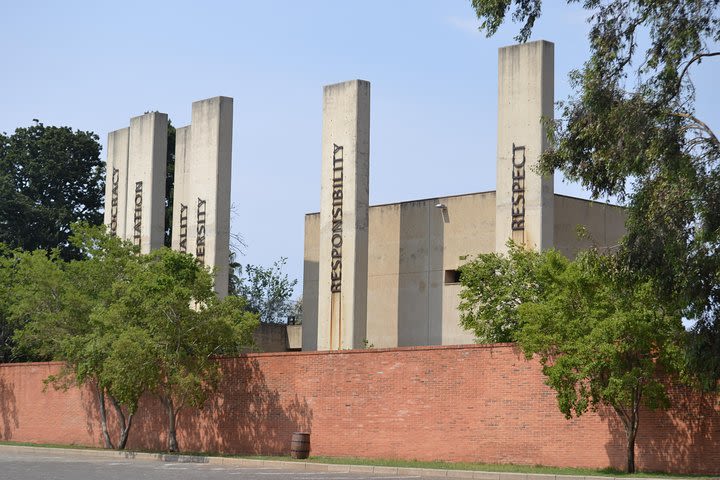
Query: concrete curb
pixel 308 466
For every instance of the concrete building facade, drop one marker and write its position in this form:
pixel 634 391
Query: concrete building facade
pixel 414 248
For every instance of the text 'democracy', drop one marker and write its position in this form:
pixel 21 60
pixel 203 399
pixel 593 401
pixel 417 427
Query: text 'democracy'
pixel 114 201
pixel 518 188
pixel 337 218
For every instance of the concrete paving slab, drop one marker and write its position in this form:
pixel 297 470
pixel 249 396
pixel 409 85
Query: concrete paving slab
pixel 460 474
pixel 361 469
pixel 486 475
pixel 385 470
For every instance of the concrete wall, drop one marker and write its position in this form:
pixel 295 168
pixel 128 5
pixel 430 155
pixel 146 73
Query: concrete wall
pixel 412 246
pixel 471 403
pixel 603 225
pixel 147 166
pixel 311 282
pixel 342 293
pixel 525 96
pixel 202 184
pixel 116 181
pixel 271 337
pixel 183 238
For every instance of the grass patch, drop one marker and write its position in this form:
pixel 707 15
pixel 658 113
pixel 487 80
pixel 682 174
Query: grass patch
pixel 383 462
pixel 483 467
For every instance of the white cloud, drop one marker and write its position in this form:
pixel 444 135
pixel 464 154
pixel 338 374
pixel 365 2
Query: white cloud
pixel 466 24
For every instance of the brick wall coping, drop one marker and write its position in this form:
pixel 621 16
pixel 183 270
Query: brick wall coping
pixel 323 352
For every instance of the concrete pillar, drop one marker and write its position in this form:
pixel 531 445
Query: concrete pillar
pixel 181 234
pixel 147 166
pixel 343 259
pixel 116 181
pixel 524 199
pixel 203 185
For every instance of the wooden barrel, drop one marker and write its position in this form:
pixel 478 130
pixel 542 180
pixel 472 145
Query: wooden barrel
pixel 300 445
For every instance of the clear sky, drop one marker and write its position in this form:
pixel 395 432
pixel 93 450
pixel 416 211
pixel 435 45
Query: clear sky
pixel 93 64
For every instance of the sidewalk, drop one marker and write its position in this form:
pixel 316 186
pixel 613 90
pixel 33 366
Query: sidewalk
pixel 304 466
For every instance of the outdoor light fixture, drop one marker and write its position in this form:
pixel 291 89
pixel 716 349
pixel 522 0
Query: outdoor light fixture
pixel 440 205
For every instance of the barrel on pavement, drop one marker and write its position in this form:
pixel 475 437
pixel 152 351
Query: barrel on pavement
pixel 300 445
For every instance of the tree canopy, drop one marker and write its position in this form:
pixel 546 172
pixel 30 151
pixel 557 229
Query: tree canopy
pixel 127 324
pixel 267 290
pixel 603 337
pixel 630 129
pixel 602 340
pixel 493 287
pixel 50 177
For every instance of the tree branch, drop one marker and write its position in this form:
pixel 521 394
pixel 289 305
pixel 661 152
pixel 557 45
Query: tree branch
pixel 694 59
pixel 699 125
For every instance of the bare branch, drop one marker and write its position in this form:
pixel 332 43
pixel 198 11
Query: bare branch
pixel 699 125
pixel 694 59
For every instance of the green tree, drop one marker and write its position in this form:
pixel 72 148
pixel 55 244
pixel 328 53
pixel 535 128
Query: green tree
pixel 630 129
pixel 7 324
pixel 127 325
pixel 488 301
pixel 602 340
pixel 50 177
pixel 58 309
pixel 603 337
pixel 268 291
pixel 169 307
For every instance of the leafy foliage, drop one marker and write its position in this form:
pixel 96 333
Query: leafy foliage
pixel 169 306
pixel 630 129
pixel 493 287
pixel 128 324
pixel 266 290
pixel 8 324
pixel 602 336
pixel 602 340
pixel 50 177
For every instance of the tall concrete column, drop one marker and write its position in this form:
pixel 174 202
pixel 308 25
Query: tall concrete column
pixel 182 236
pixel 147 167
pixel 343 259
pixel 203 186
pixel 116 181
pixel 524 199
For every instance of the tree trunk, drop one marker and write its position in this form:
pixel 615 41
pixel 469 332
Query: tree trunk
pixel 631 451
pixel 172 437
pixel 124 424
pixel 630 418
pixel 103 416
pixel 124 433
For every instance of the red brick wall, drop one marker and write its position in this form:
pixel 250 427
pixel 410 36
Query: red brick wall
pixel 465 403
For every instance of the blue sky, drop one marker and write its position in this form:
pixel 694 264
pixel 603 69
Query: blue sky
pixel 92 65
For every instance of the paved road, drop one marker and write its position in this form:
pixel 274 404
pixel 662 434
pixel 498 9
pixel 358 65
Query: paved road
pixel 40 466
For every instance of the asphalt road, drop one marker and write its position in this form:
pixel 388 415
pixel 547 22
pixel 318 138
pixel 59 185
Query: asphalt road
pixel 40 466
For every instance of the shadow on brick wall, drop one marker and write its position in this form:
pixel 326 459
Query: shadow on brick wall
pixel 677 439
pixel 245 416
pixel 8 410
pixel 682 437
pixel 252 414
pixel 615 447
